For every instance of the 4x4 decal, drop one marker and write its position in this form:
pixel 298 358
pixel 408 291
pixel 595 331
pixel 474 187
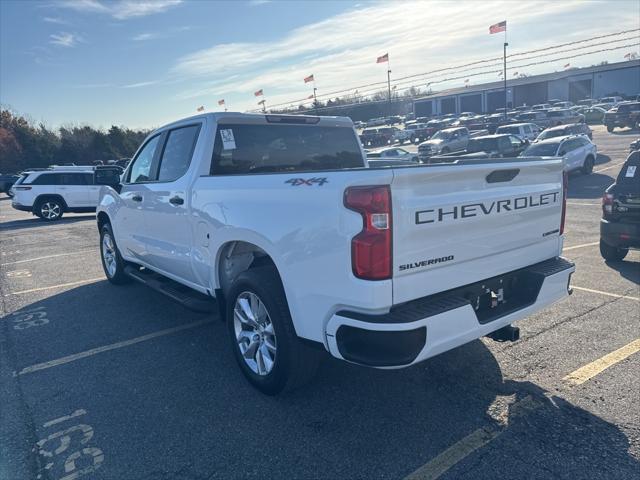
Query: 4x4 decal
pixel 296 182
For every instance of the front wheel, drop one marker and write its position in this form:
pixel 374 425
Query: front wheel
pixel 609 128
pixel 112 262
pixel 612 254
pixel 262 336
pixel 587 167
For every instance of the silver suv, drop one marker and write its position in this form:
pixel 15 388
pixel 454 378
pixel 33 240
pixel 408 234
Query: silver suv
pixel 443 142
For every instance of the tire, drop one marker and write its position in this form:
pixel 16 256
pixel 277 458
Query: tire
pixel 280 361
pixel 49 209
pixel 587 167
pixel 610 128
pixel 444 151
pixel 112 262
pixel 612 254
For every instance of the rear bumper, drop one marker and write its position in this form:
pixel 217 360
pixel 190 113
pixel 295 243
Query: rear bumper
pixel 619 234
pixel 22 208
pixel 428 326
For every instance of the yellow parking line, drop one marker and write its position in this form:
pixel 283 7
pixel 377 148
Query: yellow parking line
pixel 62 285
pixel 598 366
pixel 469 444
pixel 615 295
pixel 580 246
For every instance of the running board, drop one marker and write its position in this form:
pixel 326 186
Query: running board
pixel 187 297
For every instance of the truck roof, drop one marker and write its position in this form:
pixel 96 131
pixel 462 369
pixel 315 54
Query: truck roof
pixel 262 118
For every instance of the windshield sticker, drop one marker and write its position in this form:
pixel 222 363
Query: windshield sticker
pixel 631 171
pixel 228 141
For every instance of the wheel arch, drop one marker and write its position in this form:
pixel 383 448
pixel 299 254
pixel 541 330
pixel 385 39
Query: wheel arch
pixel 43 196
pixel 103 218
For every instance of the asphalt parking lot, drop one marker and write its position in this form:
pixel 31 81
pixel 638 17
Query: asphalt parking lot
pixel 106 382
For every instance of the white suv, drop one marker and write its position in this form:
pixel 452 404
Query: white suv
pixel 526 131
pixel 577 151
pixel 51 192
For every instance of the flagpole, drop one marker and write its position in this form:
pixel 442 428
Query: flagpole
pixel 505 71
pixel 389 81
pixel 315 99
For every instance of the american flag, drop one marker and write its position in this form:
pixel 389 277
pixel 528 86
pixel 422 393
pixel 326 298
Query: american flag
pixel 221 102
pixel 200 108
pixel 258 93
pixel 498 27
pixel 309 78
pixel 383 58
pixel 515 74
pixel 567 65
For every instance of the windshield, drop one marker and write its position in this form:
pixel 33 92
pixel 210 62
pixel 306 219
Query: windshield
pixel 514 130
pixel 482 145
pixel 541 150
pixel 551 134
pixel 241 149
pixel 441 135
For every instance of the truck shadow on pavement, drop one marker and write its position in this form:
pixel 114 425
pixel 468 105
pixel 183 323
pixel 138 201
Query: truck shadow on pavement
pixel 589 186
pixel 183 401
pixel 36 222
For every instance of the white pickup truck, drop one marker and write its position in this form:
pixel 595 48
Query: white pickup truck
pixel 305 248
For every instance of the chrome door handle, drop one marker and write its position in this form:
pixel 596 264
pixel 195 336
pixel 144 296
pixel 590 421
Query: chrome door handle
pixel 176 200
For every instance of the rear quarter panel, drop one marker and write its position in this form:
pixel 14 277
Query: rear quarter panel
pixel 303 226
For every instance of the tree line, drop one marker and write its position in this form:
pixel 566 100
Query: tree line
pixel 25 144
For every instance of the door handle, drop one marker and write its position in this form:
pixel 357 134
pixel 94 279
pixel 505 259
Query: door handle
pixel 136 198
pixel 176 200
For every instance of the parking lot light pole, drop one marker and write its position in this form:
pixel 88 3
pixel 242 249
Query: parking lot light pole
pixel 505 76
pixel 389 87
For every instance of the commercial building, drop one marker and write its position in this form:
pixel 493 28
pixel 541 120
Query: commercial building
pixel 576 84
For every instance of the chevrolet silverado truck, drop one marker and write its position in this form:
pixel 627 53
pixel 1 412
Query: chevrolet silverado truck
pixel 280 224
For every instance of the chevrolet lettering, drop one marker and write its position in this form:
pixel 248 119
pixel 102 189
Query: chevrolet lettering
pixel 496 207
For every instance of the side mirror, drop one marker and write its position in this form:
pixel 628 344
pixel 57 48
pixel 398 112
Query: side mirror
pixel 108 175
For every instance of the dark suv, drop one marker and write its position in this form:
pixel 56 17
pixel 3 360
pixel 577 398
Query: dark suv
pixel 620 224
pixel 625 114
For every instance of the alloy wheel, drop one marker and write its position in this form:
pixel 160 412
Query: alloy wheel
pixel 50 210
pixel 109 254
pixel 254 332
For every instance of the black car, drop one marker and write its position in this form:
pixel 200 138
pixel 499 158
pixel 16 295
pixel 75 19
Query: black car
pixel 620 223
pixel 625 114
pixel 6 182
pixel 635 145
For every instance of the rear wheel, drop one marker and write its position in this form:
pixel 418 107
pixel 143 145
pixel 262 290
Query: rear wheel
pixel 262 336
pixel 49 209
pixel 609 128
pixel 587 167
pixel 612 254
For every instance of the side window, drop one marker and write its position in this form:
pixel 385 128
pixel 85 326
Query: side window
pixel 141 168
pixel 177 153
pixel 515 141
pixel 46 179
pixel 72 179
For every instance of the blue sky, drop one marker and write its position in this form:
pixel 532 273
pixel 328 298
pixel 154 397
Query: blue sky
pixel 144 63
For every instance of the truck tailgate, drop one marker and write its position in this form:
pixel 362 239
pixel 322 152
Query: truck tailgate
pixel 458 224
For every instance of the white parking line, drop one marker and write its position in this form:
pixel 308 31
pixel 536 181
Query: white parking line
pixel 609 167
pixel 580 246
pixel 106 348
pixel 615 295
pixel 46 257
pixel 62 285
pixel 585 204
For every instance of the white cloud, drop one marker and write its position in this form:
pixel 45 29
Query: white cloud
pixel 122 9
pixel 64 39
pixel 144 36
pixel 140 84
pixel 342 50
pixel 56 20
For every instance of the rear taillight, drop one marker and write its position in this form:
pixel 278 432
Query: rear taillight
pixel 22 188
pixel 371 256
pixel 565 192
pixel 607 203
